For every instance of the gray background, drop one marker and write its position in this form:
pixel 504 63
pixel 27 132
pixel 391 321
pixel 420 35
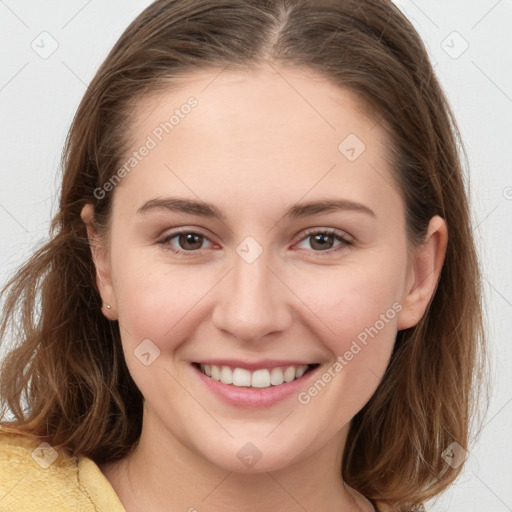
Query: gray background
pixel 469 43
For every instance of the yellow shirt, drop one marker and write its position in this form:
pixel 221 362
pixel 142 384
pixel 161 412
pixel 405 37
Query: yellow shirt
pixel 36 478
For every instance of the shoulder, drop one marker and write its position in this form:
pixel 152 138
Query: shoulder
pixel 35 476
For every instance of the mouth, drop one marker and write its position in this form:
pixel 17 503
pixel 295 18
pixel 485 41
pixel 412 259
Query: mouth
pixel 258 378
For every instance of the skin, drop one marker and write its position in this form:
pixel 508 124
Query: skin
pixel 254 146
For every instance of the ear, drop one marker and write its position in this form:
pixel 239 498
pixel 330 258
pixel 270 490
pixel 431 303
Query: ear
pixel 101 263
pixel 423 273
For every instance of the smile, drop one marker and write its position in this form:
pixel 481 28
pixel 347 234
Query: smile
pixel 260 378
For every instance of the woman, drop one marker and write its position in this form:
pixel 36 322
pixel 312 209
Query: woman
pixel 261 291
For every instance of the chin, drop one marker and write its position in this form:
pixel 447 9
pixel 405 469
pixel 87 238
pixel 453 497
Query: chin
pixel 243 456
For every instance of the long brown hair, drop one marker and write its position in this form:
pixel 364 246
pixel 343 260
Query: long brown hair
pixel 67 382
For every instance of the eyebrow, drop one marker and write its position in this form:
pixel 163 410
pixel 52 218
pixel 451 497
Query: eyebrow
pixel 296 211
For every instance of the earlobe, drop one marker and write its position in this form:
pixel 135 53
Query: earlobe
pixel 423 274
pixel 101 263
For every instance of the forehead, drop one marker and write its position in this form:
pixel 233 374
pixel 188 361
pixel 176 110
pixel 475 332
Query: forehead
pixel 260 133
pixel 270 99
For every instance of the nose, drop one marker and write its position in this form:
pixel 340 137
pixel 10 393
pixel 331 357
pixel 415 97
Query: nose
pixel 252 301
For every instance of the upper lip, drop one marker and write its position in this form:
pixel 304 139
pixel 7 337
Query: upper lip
pixel 253 365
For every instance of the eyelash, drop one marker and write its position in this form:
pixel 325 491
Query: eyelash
pixel 308 233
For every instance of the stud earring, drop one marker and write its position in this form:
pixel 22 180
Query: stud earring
pixel 109 306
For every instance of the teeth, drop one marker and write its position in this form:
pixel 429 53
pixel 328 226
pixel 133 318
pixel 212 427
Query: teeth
pixel 241 377
pixel 276 376
pixel 215 372
pixel 262 378
pixel 301 370
pixel 289 374
pixel 226 375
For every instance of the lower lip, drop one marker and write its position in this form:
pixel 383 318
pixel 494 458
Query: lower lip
pixel 254 397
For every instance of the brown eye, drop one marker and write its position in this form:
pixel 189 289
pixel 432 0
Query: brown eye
pixel 190 241
pixel 324 240
pixel 184 241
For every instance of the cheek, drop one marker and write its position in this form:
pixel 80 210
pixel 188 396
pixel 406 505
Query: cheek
pixel 158 312
pixel 154 299
pixel 357 321
pixel 367 311
pixel 354 302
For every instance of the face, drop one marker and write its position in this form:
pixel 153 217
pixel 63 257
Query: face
pixel 259 229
